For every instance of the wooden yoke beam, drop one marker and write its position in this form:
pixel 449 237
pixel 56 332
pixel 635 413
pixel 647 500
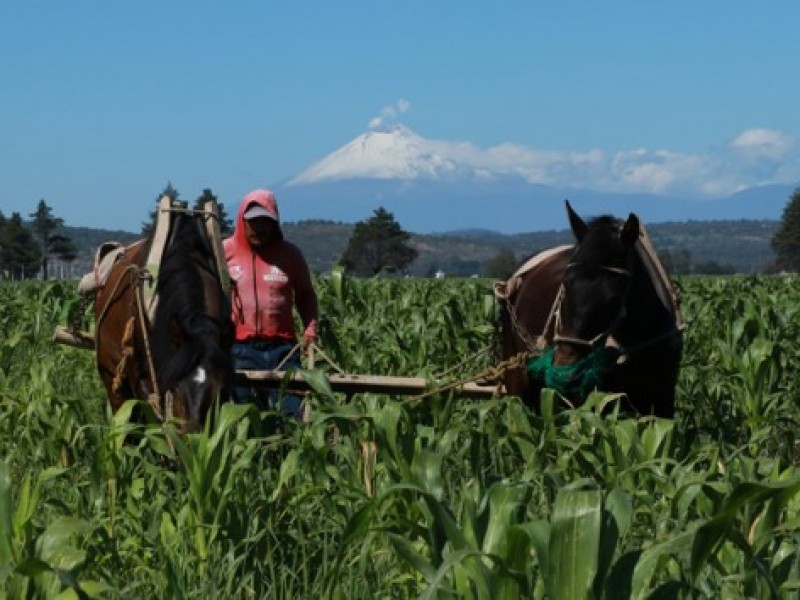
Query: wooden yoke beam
pixel 358 384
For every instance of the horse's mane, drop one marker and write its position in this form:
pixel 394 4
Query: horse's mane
pixel 183 332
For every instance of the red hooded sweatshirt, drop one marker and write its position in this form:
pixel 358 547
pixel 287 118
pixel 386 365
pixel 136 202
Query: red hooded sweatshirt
pixel 269 281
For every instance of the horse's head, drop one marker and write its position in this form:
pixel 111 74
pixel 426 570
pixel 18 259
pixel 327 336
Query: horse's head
pixel 596 284
pixel 205 368
pixel 192 329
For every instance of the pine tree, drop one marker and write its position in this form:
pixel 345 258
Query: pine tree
pixel 786 241
pixel 4 274
pixel 19 252
pixel 45 226
pixel 378 244
pixel 225 223
pixel 501 265
pixel 149 226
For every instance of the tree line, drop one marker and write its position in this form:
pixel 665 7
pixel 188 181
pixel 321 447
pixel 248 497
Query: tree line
pixel 380 245
pixel 27 248
pixel 377 245
pixel 786 241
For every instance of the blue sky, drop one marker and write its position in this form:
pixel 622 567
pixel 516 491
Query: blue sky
pixel 103 103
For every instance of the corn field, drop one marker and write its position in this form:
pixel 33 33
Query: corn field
pixel 399 497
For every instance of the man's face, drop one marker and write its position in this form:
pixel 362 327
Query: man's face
pixel 260 231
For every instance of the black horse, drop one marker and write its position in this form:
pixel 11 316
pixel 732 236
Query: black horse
pixel 599 315
pixel 178 359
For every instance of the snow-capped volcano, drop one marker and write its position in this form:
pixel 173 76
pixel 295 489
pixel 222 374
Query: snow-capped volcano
pixel 434 185
pixel 395 153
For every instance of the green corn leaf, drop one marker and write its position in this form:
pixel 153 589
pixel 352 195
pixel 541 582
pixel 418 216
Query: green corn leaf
pixel 473 575
pixel 6 517
pixel 426 468
pixel 289 468
pixel 505 502
pixel 338 283
pixel 319 384
pixel 406 550
pixel 94 589
pixel 711 533
pixel 648 563
pixel 32 567
pixel 55 545
pixel 617 513
pixel 27 499
pixel 574 543
pixel 359 523
pixel 618 582
pixel 654 436
pixel 538 533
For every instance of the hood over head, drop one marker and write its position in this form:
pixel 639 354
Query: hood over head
pixel 258 203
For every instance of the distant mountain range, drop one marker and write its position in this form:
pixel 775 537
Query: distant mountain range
pixel 430 188
pixel 741 245
pixel 462 213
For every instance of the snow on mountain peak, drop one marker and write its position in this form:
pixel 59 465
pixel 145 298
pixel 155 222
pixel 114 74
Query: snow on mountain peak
pixel 390 153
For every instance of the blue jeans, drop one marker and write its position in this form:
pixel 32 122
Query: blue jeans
pixel 261 356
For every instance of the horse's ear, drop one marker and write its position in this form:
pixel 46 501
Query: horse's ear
pixel 630 230
pixel 577 224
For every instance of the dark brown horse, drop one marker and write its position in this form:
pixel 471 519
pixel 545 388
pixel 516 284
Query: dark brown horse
pixel 597 315
pixel 177 358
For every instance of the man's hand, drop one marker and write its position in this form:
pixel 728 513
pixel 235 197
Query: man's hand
pixel 308 341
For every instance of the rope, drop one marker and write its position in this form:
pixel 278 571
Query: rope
pixel 469 359
pixel 103 312
pixel 155 398
pixel 139 276
pixel 328 359
pixel 287 357
pixel 316 349
pixel 491 374
pixel 529 342
pixel 553 318
pixel 190 211
pixel 127 352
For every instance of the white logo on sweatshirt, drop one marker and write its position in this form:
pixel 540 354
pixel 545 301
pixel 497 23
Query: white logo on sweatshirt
pixel 275 274
pixel 236 272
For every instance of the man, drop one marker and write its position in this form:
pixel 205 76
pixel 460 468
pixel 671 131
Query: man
pixel 271 277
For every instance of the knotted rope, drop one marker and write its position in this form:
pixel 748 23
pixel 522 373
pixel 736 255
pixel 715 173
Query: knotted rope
pixel 493 374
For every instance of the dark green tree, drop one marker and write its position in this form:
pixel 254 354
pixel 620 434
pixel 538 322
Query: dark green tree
pixel 225 223
pixel 501 265
pixel 19 253
pixel 712 267
pixel 46 228
pixel 63 248
pixel 378 244
pixel 3 250
pixel 786 241
pixel 676 261
pixel 149 226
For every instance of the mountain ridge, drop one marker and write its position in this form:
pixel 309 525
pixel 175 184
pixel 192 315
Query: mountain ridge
pixel 741 245
pixel 455 195
pixel 432 186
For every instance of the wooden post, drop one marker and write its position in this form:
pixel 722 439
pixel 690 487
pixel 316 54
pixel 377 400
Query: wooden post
pixel 78 339
pixel 306 405
pixel 358 384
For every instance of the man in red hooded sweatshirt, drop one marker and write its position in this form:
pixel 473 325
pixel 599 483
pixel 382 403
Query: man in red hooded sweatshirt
pixel 270 278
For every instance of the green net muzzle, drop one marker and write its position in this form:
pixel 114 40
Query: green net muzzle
pixel 575 380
